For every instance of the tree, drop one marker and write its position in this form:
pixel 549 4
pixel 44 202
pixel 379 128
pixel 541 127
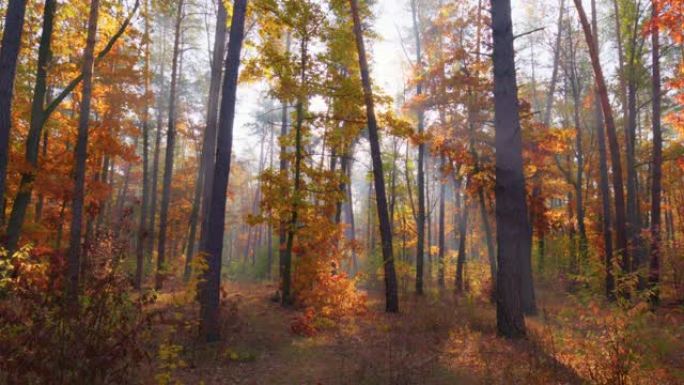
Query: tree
pixel 210 293
pixel 391 298
pixel 656 181
pixel 40 113
pixel 142 229
pixel 9 52
pixel 206 176
pixel 513 231
pixel 170 146
pixel 420 218
pixel 616 166
pixel 81 154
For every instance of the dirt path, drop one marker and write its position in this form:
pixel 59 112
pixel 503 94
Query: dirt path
pixel 433 341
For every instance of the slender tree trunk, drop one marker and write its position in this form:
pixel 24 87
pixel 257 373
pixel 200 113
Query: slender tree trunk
pixel 391 298
pixel 462 233
pixel 209 140
pixel 441 225
pixel 142 229
pixel 620 220
pixel 23 196
pixel 349 211
pixel 656 187
pixel 420 220
pixel 157 149
pixel 80 156
pixel 513 231
pixel 9 52
pixel 282 229
pixel 210 293
pixel 168 160
pixel 286 285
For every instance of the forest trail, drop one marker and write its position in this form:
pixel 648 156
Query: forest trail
pixel 432 341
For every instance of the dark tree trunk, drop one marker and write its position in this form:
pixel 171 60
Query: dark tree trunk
pixel 9 52
pixel 168 159
pixel 286 284
pixel 142 229
pixel 513 231
pixel 210 290
pixel 23 196
pixel 157 149
pixel 462 205
pixel 80 156
pixel 620 220
pixel 282 230
pixel 209 141
pixel 420 219
pixel 656 188
pixel 391 298
pixel 441 225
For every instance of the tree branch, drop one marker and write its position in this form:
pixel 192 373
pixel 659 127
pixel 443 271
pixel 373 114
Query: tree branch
pixel 101 55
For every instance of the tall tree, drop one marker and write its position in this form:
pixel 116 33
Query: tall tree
pixel 513 231
pixel 142 229
pixel 9 52
pixel 656 181
pixel 391 297
pixel 170 146
pixel 209 141
pixel 210 293
pixel 616 166
pixel 81 155
pixel 420 218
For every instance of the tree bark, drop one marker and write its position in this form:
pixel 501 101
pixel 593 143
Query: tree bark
pixel 210 293
pixel 616 166
pixel 441 225
pixel 656 187
pixel 142 229
pixel 462 233
pixel 420 220
pixel 80 156
pixel 209 141
pixel 9 52
pixel 513 231
pixel 170 147
pixel 391 298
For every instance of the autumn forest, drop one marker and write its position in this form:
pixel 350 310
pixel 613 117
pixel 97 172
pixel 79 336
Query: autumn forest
pixel 342 192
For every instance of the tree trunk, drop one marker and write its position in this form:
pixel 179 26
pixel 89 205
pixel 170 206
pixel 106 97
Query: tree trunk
pixel 620 220
pixel 157 149
pixel 80 156
pixel 9 52
pixel 391 298
pixel 462 205
pixel 209 141
pixel 282 230
pixel 513 231
pixel 170 147
pixel 210 293
pixel 656 188
pixel 441 225
pixel 142 229
pixel 286 285
pixel 23 196
pixel 420 220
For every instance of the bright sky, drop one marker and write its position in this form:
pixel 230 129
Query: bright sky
pixel 389 66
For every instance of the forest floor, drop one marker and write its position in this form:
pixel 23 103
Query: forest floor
pixel 434 340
